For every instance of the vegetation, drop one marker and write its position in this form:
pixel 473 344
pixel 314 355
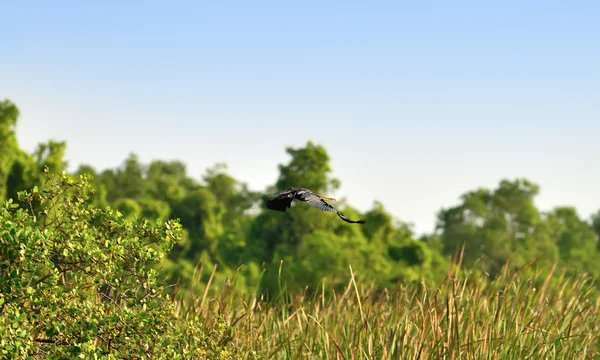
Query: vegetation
pixel 143 261
pixel 518 315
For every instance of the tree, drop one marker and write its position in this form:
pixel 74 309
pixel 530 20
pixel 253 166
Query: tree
pixel 18 170
pixel 236 200
pixel 168 182
pixel 24 174
pixel 295 235
pixel 495 226
pixel 394 254
pixel 127 181
pixel 309 168
pixel 51 155
pixel 79 282
pixel 98 198
pixel 324 257
pixel 576 240
pixel 595 224
pixel 9 148
pixel 201 214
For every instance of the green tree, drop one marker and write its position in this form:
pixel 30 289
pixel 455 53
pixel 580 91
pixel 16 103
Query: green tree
pixel 51 155
pixel 237 200
pixel 127 181
pixel 394 254
pixel 576 240
pixel 24 174
pixel 128 207
pixel 18 170
pixel 168 181
pixel 98 197
pixel 9 148
pixel 495 226
pixel 309 168
pixel 595 224
pixel 201 214
pixel 293 235
pixel 323 256
pixel 79 282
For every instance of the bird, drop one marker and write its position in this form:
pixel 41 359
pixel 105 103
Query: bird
pixel 283 201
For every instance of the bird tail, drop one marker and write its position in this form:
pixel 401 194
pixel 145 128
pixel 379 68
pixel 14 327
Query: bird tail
pixel 343 217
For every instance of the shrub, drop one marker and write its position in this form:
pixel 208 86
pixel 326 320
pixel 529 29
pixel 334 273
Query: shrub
pixel 79 281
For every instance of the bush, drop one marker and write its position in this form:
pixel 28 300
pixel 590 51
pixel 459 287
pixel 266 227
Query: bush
pixel 79 281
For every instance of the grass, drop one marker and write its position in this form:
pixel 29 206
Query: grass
pixel 518 315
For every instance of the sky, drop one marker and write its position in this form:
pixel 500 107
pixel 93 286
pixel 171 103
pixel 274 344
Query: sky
pixel 416 103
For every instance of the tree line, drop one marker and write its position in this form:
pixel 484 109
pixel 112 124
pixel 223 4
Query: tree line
pixel 225 224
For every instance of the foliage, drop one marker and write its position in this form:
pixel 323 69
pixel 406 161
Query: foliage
pixel 520 314
pixel 92 260
pixel 15 165
pixel 497 225
pixel 78 266
pixel 79 281
pixel 309 166
pixel 226 225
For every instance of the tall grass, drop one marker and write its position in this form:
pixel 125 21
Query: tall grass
pixel 517 315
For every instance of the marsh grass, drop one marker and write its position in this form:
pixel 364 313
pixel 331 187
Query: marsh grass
pixel 520 314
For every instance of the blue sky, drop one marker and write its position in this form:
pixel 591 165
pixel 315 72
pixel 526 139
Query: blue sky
pixel 416 103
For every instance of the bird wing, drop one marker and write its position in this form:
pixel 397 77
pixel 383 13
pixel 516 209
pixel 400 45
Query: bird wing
pixel 282 192
pixel 316 202
pixel 280 203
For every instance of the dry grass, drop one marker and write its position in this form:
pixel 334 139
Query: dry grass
pixel 518 315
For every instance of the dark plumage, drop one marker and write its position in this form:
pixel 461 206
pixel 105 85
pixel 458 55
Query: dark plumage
pixel 283 201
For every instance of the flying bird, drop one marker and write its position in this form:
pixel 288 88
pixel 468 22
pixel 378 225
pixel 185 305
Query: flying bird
pixel 283 201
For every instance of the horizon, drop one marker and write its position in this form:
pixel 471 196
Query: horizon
pixel 415 105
